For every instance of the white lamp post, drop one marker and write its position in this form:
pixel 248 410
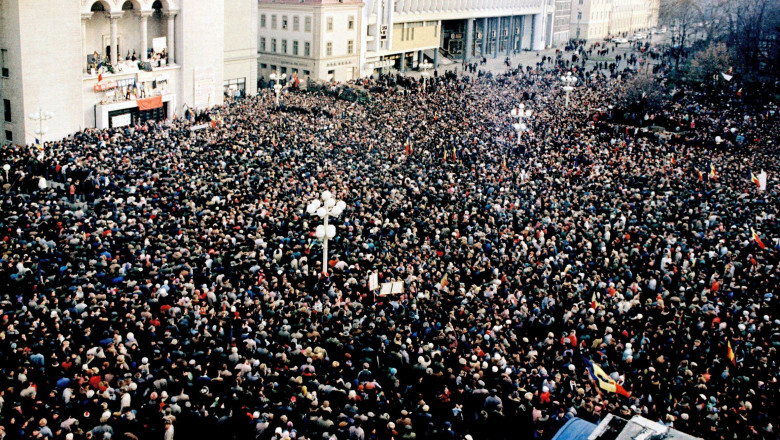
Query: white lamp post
pixel 568 80
pixel 424 67
pixel 277 79
pixel 40 116
pixel 520 113
pixel 6 168
pixel 325 207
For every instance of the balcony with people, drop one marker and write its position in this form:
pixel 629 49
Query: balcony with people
pixel 137 36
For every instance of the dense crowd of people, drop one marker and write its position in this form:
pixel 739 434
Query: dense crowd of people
pixel 159 279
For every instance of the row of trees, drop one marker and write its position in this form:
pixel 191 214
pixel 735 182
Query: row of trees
pixel 743 32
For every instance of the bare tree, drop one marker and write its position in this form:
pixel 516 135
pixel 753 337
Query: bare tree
pixel 680 16
pixel 706 65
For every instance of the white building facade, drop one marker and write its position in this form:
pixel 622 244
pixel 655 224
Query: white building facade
pixel 109 63
pixel 600 19
pixel 400 34
pixel 318 39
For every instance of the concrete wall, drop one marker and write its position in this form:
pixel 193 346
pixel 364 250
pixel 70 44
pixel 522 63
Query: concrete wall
pixel 11 87
pixel 241 42
pixel 51 64
pixel 201 46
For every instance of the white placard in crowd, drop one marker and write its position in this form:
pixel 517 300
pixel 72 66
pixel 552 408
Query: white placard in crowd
pixel 373 281
pixel 121 120
pixel 158 44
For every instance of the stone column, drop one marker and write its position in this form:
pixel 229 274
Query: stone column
pixel 510 36
pixel 84 54
pixel 143 18
pixel 402 67
pixel 469 39
pixel 112 19
pixel 436 58
pixel 171 40
pixel 498 37
pixel 485 35
pixel 537 36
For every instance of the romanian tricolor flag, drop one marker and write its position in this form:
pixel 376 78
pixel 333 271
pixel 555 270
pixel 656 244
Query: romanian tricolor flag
pixel 444 282
pixel 409 150
pixel 701 175
pixel 757 239
pixel 603 380
pixel 730 354
pixel 674 160
pixel 754 179
pixel 594 302
pixel 38 144
pixel 739 92
pixel 713 174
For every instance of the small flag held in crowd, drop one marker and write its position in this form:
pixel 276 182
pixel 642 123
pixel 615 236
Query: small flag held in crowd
pixel 409 148
pixel 603 380
pixel 731 356
pixel 754 179
pixel 38 144
pixel 726 76
pixel 674 160
pixel 762 180
pixel 444 282
pixel 757 239
pixel 594 302
pixel 701 175
pixel 713 174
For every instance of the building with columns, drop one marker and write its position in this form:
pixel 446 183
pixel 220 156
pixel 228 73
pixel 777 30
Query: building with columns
pixel 347 39
pixel 108 63
pixel 400 34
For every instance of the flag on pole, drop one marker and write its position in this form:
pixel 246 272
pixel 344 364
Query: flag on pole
pixel 739 92
pixel 38 144
pixel 731 356
pixel 603 380
pixel 757 239
pixel 754 179
pixel 713 174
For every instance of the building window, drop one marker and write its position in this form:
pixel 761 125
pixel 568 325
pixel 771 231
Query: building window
pixel 307 24
pixel 263 65
pixel 295 47
pixel 7 110
pixel 306 49
pixel 284 46
pixel 329 48
pixel 579 16
pixel 284 22
pixel 273 67
pixel 9 136
pixel 273 22
pixel 330 24
pixel 262 21
pixel 331 74
pixel 273 45
pixel 351 23
pixel 283 69
pixel 350 46
pixel 581 1
pixel 296 23
pixel 262 44
pixel 306 72
pixel 4 62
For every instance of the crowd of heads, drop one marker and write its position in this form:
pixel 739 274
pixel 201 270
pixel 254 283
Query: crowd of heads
pixel 159 279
